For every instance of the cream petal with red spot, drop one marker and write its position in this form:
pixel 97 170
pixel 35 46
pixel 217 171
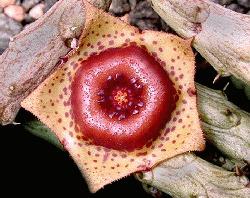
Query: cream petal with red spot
pixel 50 102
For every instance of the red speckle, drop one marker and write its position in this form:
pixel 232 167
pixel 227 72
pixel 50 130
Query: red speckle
pixel 105 156
pixel 127 40
pixel 95 161
pixel 132 160
pixel 141 154
pixel 60 96
pixel 160 49
pixel 183 126
pixel 191 92
pixel 167 131
pixel 172 73
pixel 173 128
pixel 142 39
pixel 132 34
pixel 99 43
pixel 154 54
pixel 98 148
pixel 75 66
pixel 161 145
pixel 80 144
pixel 154 42
pixel 111 42
pixel 123 155
pixel 101 47
pixel 172 60
pixel 180 120
pixel 174 141
pixel 89 153
pixel 181 76
pixel 163 63
pixel 184 101
pixel 153 155
pixel 122 34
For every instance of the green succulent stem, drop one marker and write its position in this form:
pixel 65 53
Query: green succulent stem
pixel 40 130
pixel 187 176
pixel 225 125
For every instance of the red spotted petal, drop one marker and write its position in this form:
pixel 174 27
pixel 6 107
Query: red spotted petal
pixel 100 165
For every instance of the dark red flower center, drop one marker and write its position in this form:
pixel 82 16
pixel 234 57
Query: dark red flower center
pixel 122 98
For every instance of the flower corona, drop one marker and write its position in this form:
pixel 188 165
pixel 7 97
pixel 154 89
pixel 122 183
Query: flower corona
pixel 117 96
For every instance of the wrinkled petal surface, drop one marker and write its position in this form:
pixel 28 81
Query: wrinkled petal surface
pixel 50 102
